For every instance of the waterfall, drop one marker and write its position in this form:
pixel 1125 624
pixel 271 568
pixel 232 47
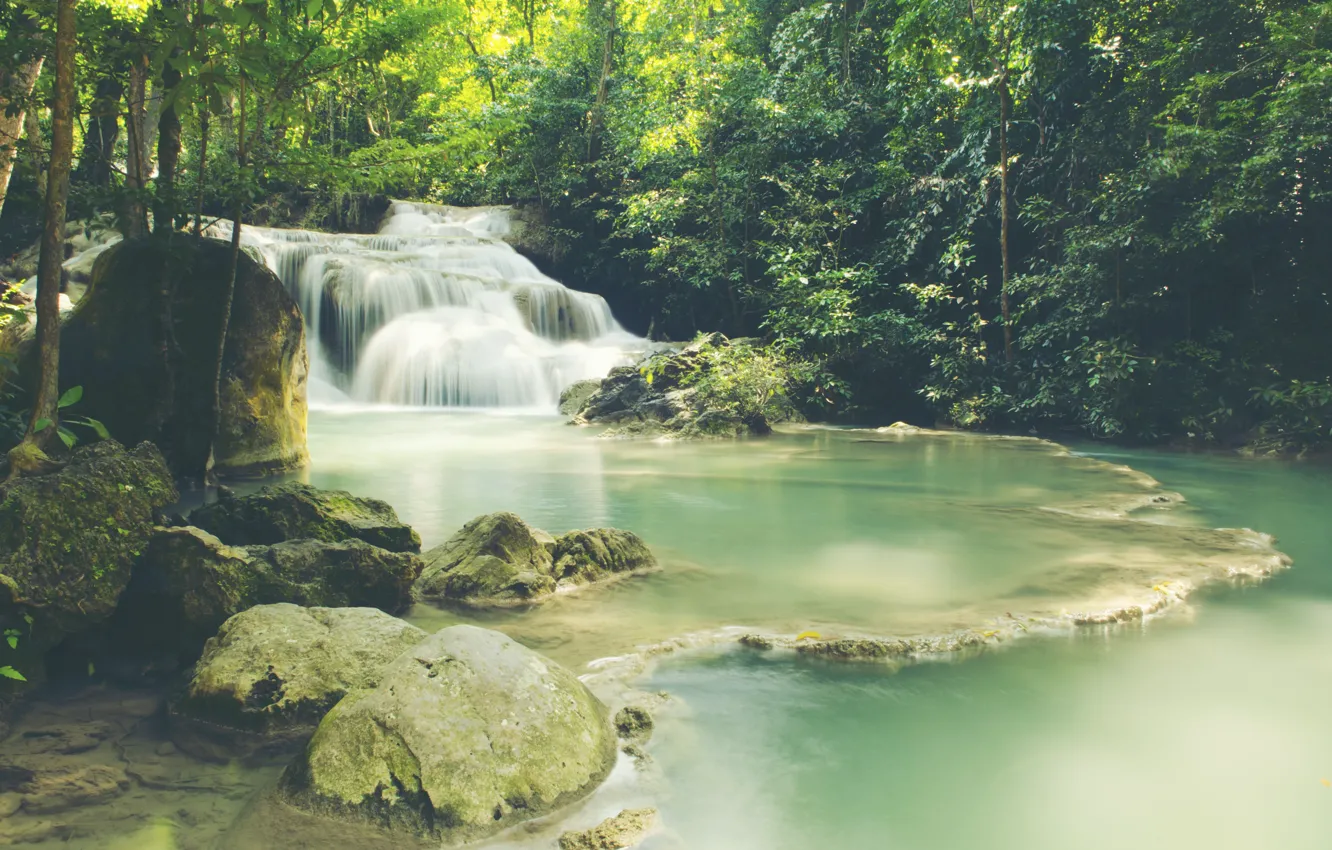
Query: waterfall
pixel 438 310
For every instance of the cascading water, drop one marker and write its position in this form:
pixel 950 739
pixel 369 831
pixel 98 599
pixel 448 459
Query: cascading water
pixel 437 310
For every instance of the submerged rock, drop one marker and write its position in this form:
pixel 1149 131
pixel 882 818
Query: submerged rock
pixel 60 788
pixel 188 582
pixel 272 672
pixel 467 734
pixel 634 723
pixel 295 511
pixel 497 559
pixel 69 539
pixel 627 829
pixel 112 344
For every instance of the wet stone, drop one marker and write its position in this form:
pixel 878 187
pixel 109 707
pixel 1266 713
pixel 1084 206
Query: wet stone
pixel 626 829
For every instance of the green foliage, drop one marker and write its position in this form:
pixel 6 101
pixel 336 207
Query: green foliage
pixel 746 382
pixel 827 175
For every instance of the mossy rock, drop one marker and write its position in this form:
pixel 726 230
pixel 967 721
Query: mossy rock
pixel 467 734
pixel 69 540
pixel 499 560
pixel 295 511
pixel 495 559
pixel 582 557
pixel 272 672
pixel 188 583
pixel 112 345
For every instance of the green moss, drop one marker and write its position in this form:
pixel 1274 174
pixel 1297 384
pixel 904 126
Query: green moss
pixel 295 511
pixel 60 564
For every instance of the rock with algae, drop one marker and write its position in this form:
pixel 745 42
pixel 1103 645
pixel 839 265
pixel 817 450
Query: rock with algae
pixel 497 560
pixel 69 540
pixel 627 829
pixel 295 511
pixel 467 733
pixel 272 672
pixel 188 582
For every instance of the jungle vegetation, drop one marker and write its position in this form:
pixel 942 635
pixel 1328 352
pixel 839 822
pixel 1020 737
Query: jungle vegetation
pixel 1105 217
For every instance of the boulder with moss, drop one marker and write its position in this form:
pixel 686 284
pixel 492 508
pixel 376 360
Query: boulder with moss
pixel 113 344
pixel 272 672
pixel 467 734
pixel 582 557
pixel 69 540
pixel 499 560
pixel 295 511
pixel 188 583
pixel 494 559
pixel 713 387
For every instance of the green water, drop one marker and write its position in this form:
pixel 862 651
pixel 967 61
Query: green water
pixel 1203 727
pixel 839 532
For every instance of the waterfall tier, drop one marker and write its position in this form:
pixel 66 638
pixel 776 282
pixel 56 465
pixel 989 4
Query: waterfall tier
pixel 438 310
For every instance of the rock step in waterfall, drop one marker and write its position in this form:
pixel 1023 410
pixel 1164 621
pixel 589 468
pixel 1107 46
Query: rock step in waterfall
pixel 438 310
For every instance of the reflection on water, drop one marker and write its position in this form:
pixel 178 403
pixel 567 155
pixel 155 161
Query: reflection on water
pixel 1203 728
pixel 836 531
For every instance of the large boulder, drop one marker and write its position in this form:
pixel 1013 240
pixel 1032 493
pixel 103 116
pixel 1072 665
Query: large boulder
pixel 494 559
pixel 69 540
pixel 272 672
pixel 143 345
pixel 467 734
pixel 499 560
pixel 295 511
pixel 188 583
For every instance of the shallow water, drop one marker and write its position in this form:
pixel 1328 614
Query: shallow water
pixel 1202 727
pixel 839 532
pixel 1205 728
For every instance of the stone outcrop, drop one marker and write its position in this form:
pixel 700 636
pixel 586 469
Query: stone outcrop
pixel 575 397
pixel 498 560
pixel 69 540
pixel 466 734
pixel 627 829
pixel 272 672
pixel 660 396
pixel 188 583
pixel 295 511
pixel 113 344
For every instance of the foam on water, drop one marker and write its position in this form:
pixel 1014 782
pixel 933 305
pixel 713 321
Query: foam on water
pixel 437 310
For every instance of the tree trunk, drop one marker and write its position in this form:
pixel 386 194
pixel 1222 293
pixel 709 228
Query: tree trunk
pixel 168 155
pixel 99 142
pixel 1004 108
pixel 203 170
pixel 21 82
pixel 134 214
pixel 27 457
pixel 224 323
pixel 603 88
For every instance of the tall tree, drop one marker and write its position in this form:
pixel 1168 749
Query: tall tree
pixel 29 456
pixel 16 86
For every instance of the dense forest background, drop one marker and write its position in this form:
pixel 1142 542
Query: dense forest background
pixel 1103 216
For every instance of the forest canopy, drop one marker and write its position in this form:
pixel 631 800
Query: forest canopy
pixel 1099 216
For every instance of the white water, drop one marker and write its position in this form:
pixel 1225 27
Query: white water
pixel 437 310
